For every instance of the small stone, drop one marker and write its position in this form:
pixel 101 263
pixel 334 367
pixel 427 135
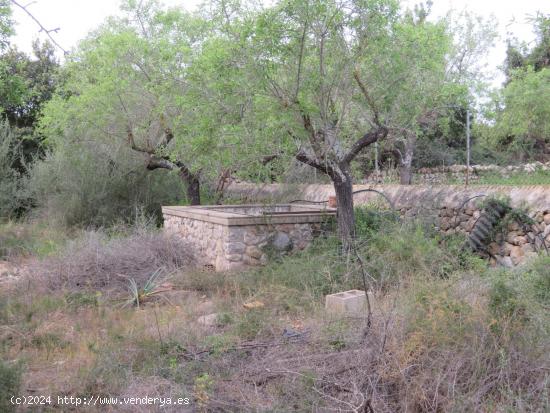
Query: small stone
pixel 513 226
pixel 546 219
pixel 254 252
pixel 235 248
pixel 494 248
pixel 511 237
pixel 505 261
pixel 234 257
pixel 209 320
pixel 520 240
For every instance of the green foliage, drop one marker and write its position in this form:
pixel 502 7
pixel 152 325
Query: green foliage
pixel 503 300
pixel 20 239
pixel 524 124
pixel 370 220
pixel 540 279
pixel 13 197
pixel 99 185
pixel 10 382
pixel 6 23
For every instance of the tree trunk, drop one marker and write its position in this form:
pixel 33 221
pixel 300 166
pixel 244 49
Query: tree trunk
pixel 405 174
pixel 345 216
pixel 193 186
pixel 405 161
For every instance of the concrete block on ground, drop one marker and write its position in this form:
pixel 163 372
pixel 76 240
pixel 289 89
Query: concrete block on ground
pixel 352 302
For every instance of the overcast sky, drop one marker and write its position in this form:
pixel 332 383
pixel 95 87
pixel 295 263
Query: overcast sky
pixel 75 18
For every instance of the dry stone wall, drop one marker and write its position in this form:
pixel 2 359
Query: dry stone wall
pixel 452 209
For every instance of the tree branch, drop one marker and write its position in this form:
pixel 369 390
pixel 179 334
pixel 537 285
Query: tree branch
pixel 42 28
pixel 368 97
pixel 305 158
pixel 368 139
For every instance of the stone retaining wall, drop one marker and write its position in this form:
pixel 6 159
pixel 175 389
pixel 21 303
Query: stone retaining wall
pixel 453 209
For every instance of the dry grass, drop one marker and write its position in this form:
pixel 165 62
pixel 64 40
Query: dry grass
pixel 442 340
pixel 99 262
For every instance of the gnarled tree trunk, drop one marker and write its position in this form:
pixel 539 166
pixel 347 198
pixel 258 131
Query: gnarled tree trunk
pixel 406 158
pixel 345 217
pixel 192 184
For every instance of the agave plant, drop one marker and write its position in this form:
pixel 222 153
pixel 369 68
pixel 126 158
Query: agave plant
pixel 151 287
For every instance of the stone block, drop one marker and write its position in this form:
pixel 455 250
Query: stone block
pixel 347 302
pixel 254 252
pixel 234 257
pixel 281 242
pixel 235 248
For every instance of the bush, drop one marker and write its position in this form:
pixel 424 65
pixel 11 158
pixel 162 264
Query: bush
pixel 98 261
pixel 540 273
pixel 11 180
pixel 95 184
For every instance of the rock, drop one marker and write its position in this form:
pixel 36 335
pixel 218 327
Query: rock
pixel 235 248
pixel 281 242
pixel 511 237
pixel 516 254
pixel 248 260
pixel 513 226
pixel 527 248
pixel 253 304
pixel 508 248
pixel 505 261
pixel 494 248
pixel 234 257
pixel 520 240
pixel 546 219
pixel 205 307
pixel 209 320
pixel 254 252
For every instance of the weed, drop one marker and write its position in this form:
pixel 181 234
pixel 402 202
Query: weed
pixel 201 389
pixel 10 381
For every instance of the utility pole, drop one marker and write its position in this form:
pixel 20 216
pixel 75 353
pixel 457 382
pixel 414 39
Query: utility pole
pixel 467 145
pixel 376 157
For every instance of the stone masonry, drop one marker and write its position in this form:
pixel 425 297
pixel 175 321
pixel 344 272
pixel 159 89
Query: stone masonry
pixel 231 237
pixel 451 209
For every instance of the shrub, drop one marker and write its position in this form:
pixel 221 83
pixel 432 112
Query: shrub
pixel 94 184
pixel 11 180
pixel 540 273
pixel 97 261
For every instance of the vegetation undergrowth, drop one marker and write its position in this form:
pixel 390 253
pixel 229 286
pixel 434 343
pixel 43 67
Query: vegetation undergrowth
pixel 448 333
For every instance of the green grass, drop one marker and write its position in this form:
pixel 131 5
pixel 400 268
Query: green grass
pixel 538 177
pixel 26 239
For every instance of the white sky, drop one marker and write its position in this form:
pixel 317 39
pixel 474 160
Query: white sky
pixel 75 18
